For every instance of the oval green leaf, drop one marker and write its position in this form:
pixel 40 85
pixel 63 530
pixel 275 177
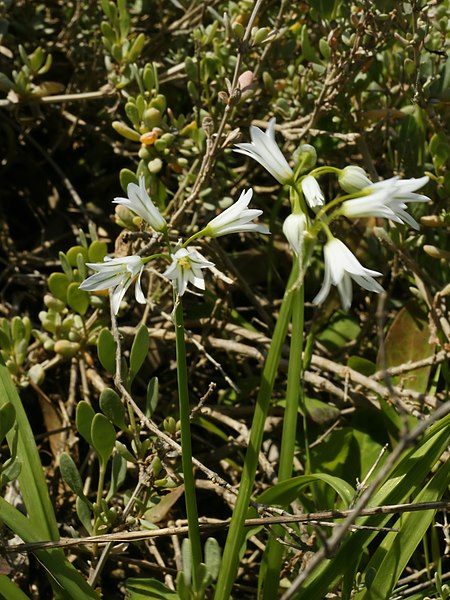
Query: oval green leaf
pixel 106 350
pixel 113 408
pixel 103 437
pixel 77 299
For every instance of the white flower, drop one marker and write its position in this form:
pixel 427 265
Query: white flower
pixel 117 273
pixel 294 230
pixel 387 199
pixel 353 179
pixel 140 203
pixel 263 148
pixel 236 218
pixel 186 267
pixel 341 266
pixel 312 192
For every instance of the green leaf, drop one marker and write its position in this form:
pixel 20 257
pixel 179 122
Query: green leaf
pixel 97 251
pixel 439 149
pixel 10 591
pixel 403 481
pixel 320 412
pixel 136 47
pixel 84 416
pixel 395 550
pixel 71 474
pixel 10 471
pixel 287 491
pixel 123 451
pixel 340 330
pixel 106 350
pixel 186 560
pixel 103 437
pixel 213 556
pixel 145 589
pixel 139 351
pixel 118 474
pixel 84 513
pixel 73 252
pixel 152 396
pixel 40 522
pixel 7 419
pixel 113 408
pixel 58 284
pixel 362 365
pixel 77 299
pixel 127 176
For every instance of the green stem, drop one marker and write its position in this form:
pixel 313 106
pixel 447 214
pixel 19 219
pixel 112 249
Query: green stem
pixel 186 446
pixel 236 533
pixel 294 397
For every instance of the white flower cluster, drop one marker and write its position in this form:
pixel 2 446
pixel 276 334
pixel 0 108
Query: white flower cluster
pixel 117 274
pixel 388 199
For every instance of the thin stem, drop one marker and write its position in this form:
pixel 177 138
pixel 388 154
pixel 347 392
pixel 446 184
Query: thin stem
pixel 235 538
pixel 186 446
pixel 294 397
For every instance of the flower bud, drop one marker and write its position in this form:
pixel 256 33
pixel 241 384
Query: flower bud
pixel 305 156
pixel 352 179
pixel 294 229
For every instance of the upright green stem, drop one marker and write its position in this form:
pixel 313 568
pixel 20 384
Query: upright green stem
pixel 294 394
pixel 186 446
pixel 236 533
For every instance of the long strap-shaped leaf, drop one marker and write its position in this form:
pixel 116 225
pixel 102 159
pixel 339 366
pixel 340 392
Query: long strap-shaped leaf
pixel 31 479
pixel 40 522
pixel 402 484
pixel 396 549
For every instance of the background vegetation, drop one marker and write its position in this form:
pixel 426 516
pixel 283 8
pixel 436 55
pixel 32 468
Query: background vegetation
pixel 94 94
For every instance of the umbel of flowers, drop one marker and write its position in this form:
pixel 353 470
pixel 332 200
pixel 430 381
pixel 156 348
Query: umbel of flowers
pixel 311 217
pixel 186 263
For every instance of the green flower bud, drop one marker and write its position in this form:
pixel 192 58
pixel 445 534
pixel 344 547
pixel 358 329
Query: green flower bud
pixel 353 179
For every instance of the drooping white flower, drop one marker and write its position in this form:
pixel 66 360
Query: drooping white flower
pixel 341 266
pixel 263 148
pixel 236 218
pixel 186 267
pixel 353 178
pixel 116 274
pixel 294 230
pixel 387 199
pixel 140 203
pixel 312 192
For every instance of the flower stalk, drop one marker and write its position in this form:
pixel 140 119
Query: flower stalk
pixel 186 445
pixel 294 399
pixel 236 532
